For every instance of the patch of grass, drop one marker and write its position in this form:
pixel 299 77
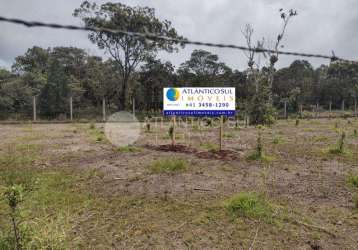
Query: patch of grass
pixel 229 135
pixel 16 159
pixel 352 180
pixel 249 204
pixel 96 134
pixel 278 140
pixel 51 200
pixel 320 138
pixel 209 146
pixel 128 149
pixel 168 165
pixel 255 156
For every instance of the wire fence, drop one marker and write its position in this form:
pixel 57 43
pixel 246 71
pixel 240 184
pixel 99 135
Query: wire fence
pixel 152 36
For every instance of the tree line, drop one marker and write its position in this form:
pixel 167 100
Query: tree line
pixel 134 73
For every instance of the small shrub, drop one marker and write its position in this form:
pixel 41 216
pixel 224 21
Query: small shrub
pixel 168 165
pixel 277 140
pixel 340 147
pixel 352 180
pixel 355 133
pixel 258 154
pixel 297 122
pixel 14 196
pixel 249 205
pixel 92 126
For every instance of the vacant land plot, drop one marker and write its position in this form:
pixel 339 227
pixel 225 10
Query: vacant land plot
pixel 79 191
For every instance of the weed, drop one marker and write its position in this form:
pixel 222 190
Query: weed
pixel 259 154
pixel 355 133
pixel 250 205
pixel 209 146
pixel 14 195
pixel 229 135
pixel 352 180
pixel 277 140
pixel 297 122
pixel 340 145
pixel 92 126
pixel 168 165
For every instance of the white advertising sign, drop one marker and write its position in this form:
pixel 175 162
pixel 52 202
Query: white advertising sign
pixel 199 101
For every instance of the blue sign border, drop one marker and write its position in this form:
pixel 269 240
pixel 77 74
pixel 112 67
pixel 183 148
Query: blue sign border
pixel 209 113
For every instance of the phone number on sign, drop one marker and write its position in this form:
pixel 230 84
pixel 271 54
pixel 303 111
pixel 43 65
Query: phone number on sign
pixel 208 105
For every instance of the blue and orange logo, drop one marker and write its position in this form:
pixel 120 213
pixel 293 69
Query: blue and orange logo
pixel 173 94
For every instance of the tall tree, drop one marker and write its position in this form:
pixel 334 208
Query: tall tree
pixel 127 51
pixel 203 69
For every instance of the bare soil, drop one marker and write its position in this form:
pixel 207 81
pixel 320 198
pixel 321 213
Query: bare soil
pixel 301 177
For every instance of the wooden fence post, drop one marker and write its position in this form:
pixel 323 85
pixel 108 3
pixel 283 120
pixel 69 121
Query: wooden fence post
pixel 343 105
pixel 71 109
pixel 173 135
pixel 133 103
pixel 34 108
pixel 104 109
pixel 285 110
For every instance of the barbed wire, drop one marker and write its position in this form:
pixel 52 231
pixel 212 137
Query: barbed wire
pixel 152 36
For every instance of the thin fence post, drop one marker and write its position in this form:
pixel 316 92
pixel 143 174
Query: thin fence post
pixel 285 111
pixel 317 108
pixel 104 109
pixel 221 131
pixel 343 105
pixel 71 109
pixel 133 107
pixel 355 106
pixel 301 110
pixel 34 108
pixel 330 109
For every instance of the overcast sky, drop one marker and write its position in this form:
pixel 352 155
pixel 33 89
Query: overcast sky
pixel 320 27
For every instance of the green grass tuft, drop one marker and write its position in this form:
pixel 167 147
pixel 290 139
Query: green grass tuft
pixel 352 180
pixel 251 205
pixel 168 165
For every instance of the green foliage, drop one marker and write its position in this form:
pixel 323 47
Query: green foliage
pixel 340 145
pixel 261 109
pixel 352 180
pixel 127 51
pixel 277 140
pixel 169 165
pixel 251 205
